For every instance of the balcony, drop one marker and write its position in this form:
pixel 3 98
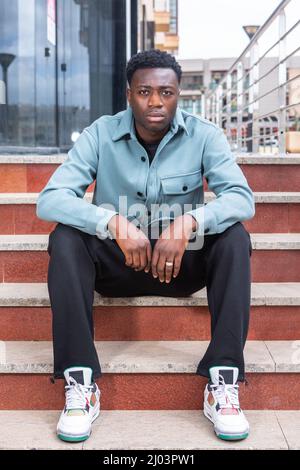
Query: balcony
pixel 162 21
pixel 170 42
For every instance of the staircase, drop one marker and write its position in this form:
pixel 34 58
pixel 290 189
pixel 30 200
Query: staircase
pixel 149 347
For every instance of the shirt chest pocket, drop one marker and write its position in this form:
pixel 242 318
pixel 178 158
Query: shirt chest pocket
pixel 183 188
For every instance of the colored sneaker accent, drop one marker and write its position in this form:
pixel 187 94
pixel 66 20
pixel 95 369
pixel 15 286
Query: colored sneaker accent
pixel 82 405
pixel 221 404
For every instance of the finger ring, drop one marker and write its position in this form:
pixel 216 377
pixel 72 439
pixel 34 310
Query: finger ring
pixel 169 263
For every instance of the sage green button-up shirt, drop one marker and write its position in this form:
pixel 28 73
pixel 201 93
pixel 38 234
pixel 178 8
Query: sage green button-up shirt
pixel 108 151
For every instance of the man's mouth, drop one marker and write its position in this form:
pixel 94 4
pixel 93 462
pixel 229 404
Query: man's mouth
pixel 155 117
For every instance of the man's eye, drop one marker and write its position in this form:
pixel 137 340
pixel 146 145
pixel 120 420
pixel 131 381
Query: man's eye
pixel 164 92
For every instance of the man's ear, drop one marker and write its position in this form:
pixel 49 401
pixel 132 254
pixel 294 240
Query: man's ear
pixel 128 94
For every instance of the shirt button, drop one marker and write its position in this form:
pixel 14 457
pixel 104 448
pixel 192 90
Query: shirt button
pixel 139 194
pixel 184 188
pixel 143 159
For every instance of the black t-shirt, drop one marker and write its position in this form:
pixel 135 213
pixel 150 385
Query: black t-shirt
pixel 150 148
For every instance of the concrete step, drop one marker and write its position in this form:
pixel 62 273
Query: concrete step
pixel 275 212
pixel 275 258
pixel 145 429
pixel 150 375
pixel 36 295
pixel 123 357
pixel 260 241
pixel 30 173
pixel 275 311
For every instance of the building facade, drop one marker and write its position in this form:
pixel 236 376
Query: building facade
pixel 158 25
pixel 146 25
pixel 198 77
pixel 62 66
pixel 62 63
pixel 166 25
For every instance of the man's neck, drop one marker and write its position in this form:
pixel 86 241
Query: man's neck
pixel 150 137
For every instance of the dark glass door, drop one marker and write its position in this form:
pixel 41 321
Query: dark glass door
pixel 91 63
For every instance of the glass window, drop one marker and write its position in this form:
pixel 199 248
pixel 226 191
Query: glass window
pixel 63 63
pixel 190 105
pixel 28 70
pixel 192 82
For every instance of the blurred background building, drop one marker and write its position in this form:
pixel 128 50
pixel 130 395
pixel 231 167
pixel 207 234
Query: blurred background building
pixel 200 76
pixel 63 66
pixel 166 25
pixel 158 25
pixel 68 60
pixel 63 63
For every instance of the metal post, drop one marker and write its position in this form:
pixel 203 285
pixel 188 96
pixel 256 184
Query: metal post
pixel 239 105
pixel 208 109
pixel 5 81
pixel 228 106
pixel 213 108
pixel 2 92
pixel 282 77
pixel 250 106
pixel 255 106
pixel 203 105
pixel 218 106
pixel 3 112
pixel 253 126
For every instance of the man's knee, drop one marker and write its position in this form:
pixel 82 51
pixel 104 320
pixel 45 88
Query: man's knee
pixel 236 238
pixel 64 238
pixel 240 237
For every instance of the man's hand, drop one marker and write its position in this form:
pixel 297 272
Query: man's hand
pixel 133 242
pixel 171 246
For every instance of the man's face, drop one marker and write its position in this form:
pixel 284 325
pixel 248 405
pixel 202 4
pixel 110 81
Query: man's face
pixel 153 97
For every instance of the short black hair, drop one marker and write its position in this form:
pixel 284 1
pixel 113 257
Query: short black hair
pixel 154 58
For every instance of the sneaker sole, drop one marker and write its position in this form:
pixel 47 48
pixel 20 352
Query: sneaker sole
pixel 69 438
pixel 65 438
pixel 220 435
pixel 229 437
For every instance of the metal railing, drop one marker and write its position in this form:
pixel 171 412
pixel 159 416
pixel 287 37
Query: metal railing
pixel 253 102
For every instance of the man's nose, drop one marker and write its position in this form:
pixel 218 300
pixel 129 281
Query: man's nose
pixel 155 99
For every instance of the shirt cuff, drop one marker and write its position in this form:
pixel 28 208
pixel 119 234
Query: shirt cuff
pixel 104 217
pixel 206 220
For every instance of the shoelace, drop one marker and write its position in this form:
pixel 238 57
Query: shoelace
pixel 227 395
pixel 76 395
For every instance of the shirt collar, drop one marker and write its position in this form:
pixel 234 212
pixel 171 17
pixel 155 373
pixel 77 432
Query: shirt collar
pixel 126 124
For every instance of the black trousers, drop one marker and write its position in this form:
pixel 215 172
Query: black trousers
pixel 81 263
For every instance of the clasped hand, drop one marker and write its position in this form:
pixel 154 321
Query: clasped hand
pixel 165 259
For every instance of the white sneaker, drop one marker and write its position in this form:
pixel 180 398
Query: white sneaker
pixel 221 404
pixel 82 405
